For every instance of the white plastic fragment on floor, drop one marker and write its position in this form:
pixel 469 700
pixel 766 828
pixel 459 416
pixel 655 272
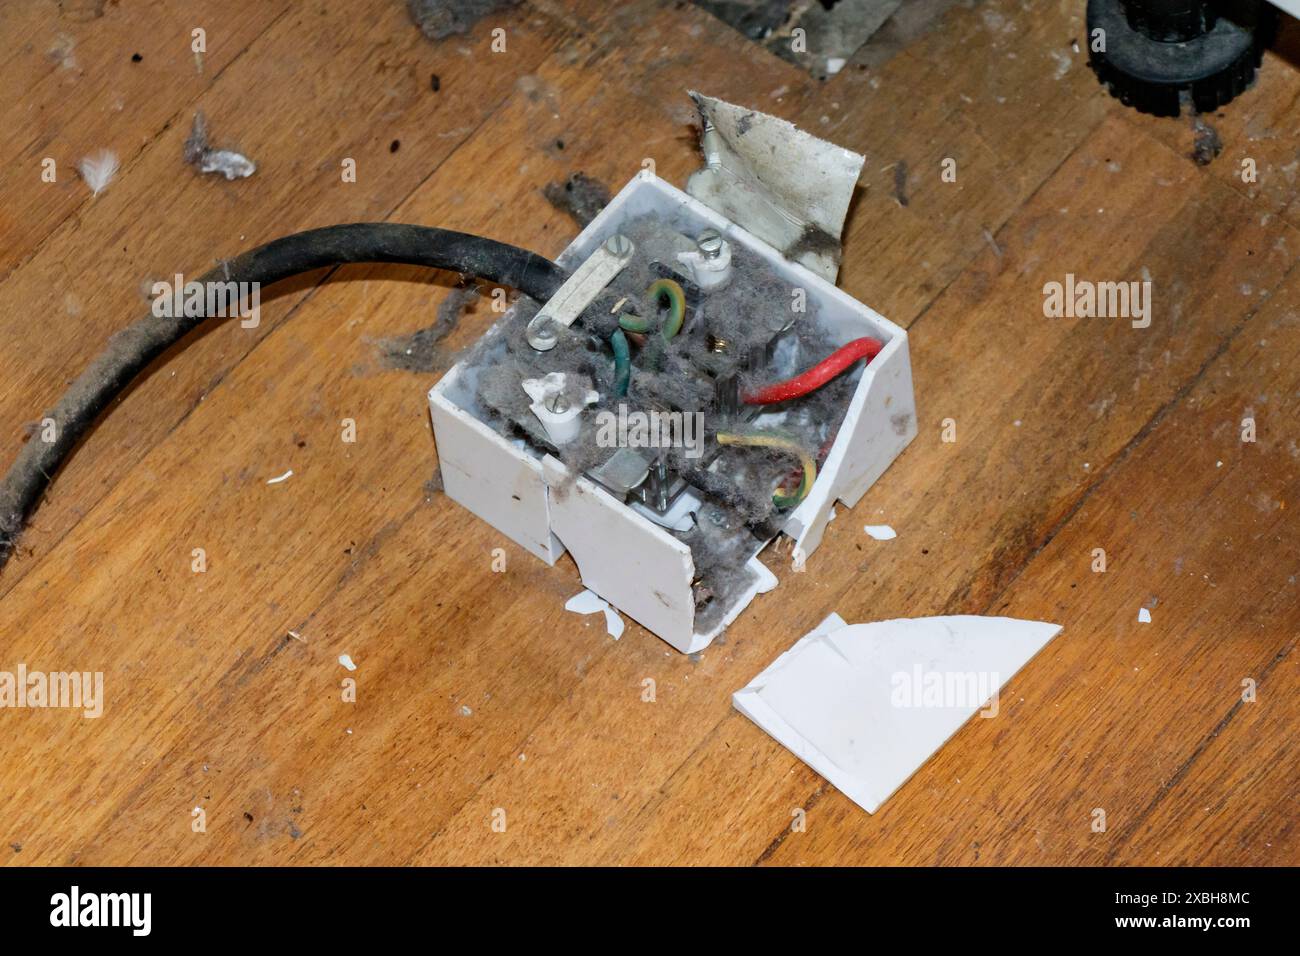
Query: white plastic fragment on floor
pixel 865 705
pixel 588 602
pixel 881 532
pixel 279 478
pixel 1144 616
pixel 228 163
pixel 346 661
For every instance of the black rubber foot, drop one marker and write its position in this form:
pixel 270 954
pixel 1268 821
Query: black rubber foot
pixel 1152 59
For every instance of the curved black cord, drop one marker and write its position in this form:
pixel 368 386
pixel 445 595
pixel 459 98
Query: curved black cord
pixel 130 351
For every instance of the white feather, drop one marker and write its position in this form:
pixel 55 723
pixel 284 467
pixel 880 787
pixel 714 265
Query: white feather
pixel 98 169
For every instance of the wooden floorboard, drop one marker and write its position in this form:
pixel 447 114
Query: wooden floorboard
pixel 477 692
pixel 365 83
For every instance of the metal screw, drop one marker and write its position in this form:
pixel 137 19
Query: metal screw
pixel 710 243
pixel 541 332
pixel 619 245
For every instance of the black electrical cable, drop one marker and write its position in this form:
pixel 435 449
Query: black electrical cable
pixel 130 351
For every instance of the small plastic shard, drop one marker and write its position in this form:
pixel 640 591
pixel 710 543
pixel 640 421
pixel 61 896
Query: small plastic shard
pixel 98 170
pixel 346 661
pixel 588 602
pixel 279 478
pixel 1144 616
pixel 881 532
pixel 199 154
pixel 785 186
pixel 228 163
pixel 865 705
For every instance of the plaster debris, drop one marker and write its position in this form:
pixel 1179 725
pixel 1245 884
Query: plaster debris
pixel 1063 63
pixel 439 19
pixel 82 11
pixel 61 52
pixel 1144 616
pixel 346 661
pixel 881 532
pixel 866 705
pixel 98 170
pixel 587 602
pixel 199 154
pixel 285 477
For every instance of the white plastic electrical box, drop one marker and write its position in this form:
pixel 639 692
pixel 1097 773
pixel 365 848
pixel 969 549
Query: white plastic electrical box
pixel 633 563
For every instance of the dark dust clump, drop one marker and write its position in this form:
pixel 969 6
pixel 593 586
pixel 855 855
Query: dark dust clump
pixel 421 350
pixel 439 19
pixel 1206 144
pixel 580 196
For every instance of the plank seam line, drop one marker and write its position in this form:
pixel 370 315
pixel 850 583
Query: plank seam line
pixel 813 799
pixel 1122 840
pixel 979 248
pixel 242 669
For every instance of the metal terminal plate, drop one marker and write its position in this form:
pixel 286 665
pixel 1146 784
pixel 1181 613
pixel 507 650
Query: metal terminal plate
pixel 624 470
pixel 579 291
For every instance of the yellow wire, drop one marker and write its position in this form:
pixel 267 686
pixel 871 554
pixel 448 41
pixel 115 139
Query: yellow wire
pixel 783 498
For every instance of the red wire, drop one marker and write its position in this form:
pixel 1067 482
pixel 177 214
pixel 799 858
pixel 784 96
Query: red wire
pixel 837 363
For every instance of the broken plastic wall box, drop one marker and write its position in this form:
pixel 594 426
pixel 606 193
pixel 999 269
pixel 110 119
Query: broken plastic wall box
pixel 634 564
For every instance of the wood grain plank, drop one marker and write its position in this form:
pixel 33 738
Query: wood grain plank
pixel 961 94
pixel 361 84
pixel 79 89
pixel 1235 803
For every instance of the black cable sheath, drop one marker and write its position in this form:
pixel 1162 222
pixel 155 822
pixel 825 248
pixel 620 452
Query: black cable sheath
pixel 131 350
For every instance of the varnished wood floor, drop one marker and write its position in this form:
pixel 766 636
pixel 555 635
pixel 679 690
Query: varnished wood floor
pixel 476 691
